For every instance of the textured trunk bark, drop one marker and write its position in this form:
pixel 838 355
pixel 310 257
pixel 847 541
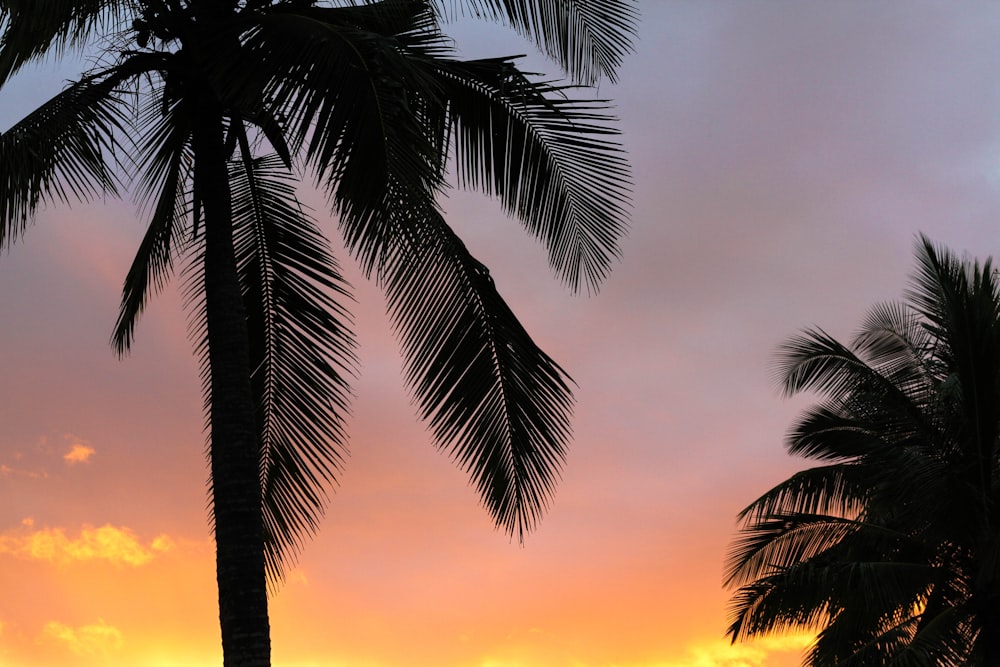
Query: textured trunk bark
pixel 236 491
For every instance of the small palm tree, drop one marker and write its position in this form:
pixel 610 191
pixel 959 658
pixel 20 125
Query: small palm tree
pixel 891 548
pixel 210 111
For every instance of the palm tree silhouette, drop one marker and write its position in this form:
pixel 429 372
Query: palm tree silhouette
pixel 890 548
pixel 211 110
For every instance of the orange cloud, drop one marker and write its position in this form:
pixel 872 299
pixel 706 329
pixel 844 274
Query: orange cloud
pixel 119 546
pixel 78 453
pixel 96 639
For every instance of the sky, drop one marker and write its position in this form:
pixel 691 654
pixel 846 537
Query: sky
pixel 786 154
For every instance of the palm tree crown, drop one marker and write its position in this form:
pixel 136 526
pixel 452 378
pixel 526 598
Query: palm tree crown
pixel 210 111
pixel 890 548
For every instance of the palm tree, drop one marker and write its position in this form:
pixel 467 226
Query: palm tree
pixel 889 549
pixel 210 111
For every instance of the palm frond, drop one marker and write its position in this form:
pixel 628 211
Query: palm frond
pixel 766 606
pixel 831 595
pixel 301 348
pixel 893 340
pixel 497 402
pixel 864 637
pixel 550 159
pixel 961 303
pixel 826 433
pixel 59 152
pixel 941 640
pixel 780 541
pixel 352 98
pixel 816 361
pixel 825 490
pixel 31 29
pixel 587 38
pixel 166 172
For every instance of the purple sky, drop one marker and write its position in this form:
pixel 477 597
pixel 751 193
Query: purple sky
pixel 786 155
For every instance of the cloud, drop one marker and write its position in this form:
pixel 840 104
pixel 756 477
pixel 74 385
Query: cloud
pixel 75 450
pixel 78 453
pixel 8 471
pixel 162 543
pixel 119 546
pixel 95 639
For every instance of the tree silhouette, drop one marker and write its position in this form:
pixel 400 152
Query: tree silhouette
pixel 890 548
pixel 210 111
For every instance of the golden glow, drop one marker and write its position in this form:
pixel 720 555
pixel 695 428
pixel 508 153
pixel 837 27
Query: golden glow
pixel 87 640
pixel 759 653
pixel 116 545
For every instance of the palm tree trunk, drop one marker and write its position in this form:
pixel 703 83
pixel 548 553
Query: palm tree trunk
pixel 236 493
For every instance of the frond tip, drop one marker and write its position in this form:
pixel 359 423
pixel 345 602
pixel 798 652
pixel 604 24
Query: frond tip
pixel 493 399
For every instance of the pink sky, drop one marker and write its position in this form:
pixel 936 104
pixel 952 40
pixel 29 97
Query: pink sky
pixel 785 153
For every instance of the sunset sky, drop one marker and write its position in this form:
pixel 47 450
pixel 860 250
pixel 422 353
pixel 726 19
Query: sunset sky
pixel 786 154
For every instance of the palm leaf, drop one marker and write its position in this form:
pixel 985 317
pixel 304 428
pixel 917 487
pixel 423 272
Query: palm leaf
pixel 59 152
pixel 781 541
pixel 301 348
pixel 550 159
pixel 587 38
pixel 497 402
pixel 836 489
pixel 893 340
pixel 825 433
pixel 34 28
pixel 815 361
pixel 166 177
pixel 352 98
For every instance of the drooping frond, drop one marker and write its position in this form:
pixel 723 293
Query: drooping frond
pixel 587 38
pixel 549 158
pixel 59 152
pixel 301 348
pixel 33 28
pixel 165 168
pixel 498 403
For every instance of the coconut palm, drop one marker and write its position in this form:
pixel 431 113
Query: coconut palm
pixel 210 111
pixel 889 549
